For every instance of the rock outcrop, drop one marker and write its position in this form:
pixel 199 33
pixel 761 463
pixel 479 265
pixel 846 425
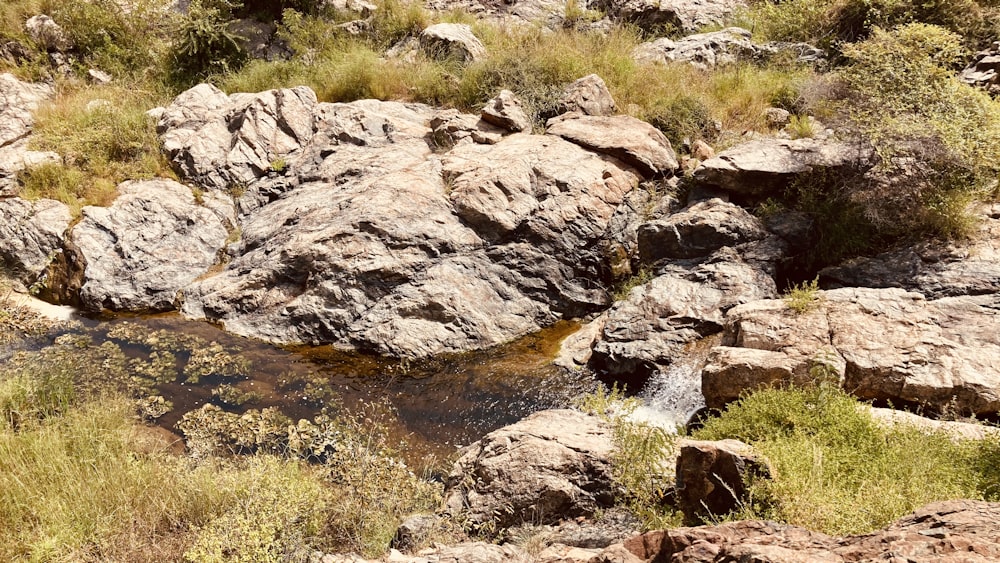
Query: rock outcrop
pixel 883 344
pixel 684 303
pixel 934 268
pixel 548 467
pixel 624 137
pixel 698 230
pixel 984 70
pixel 962 531
pixel 154 240
pixel 686 15
pixel 357 231
pixel 703 50
pixel 32 233
pixel 766 166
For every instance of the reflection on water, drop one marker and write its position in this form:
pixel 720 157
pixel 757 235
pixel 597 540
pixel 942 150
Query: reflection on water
pixel 440 403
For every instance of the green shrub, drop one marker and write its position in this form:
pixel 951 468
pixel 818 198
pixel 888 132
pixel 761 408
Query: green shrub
pixel 642 461
pixel 831 23
pixel 123 42
pixel 203 43
pixel 937 139
pixel 803 297
pixel 837 470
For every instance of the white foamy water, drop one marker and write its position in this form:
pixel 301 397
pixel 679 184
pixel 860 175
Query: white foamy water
pixel 45 310
pixel 672 396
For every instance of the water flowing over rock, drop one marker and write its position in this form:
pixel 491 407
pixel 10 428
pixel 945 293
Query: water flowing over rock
pixel 960 531
pixel 880 343
pixel 624 137
pixel 154 240
pixel 366 237
pixel 766 166
pixel 686 15
pixel 31 232
pixel 550 466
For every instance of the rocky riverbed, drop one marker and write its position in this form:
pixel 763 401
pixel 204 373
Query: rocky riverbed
pixel 474 268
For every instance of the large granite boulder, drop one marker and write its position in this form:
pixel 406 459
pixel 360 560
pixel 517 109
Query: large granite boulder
pixel 154 240
pixel 370 237
pixel 588 95
pixel 958 531
pixel 884 344
pixel 452 41
pixel 698 230
pixel 227 142
pixel 766 166
pixel 31 233
pixel 551 466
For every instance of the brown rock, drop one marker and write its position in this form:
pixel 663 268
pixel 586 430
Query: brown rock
pixel 712 477
pixel 881 343
pixel 588 95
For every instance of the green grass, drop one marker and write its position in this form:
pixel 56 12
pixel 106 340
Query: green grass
pixel 838 471
pixel 803 297
pixel 103 137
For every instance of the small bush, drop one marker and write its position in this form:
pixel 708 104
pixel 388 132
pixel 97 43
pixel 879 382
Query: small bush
pixel 642 462
pixel 203 43
pixel 803 297
pixel 683 117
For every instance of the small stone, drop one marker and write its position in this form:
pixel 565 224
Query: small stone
pixel 452 40
pixel 49 35
pixel 588 95
pixel 505 111
pixel 777 117
pixel 99 76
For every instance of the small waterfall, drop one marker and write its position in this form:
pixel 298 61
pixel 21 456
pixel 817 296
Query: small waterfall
pixel 673 395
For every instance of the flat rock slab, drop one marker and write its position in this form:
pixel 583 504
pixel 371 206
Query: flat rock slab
pixel 698 230
pixel 880 343
pixel 653 15
pixel 624 137
pixel 767 166
pixel 154 240
pixel 703 50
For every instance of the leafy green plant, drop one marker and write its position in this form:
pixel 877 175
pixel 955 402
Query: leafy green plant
pixel 643 457
pixel 801 127
pixel 643 276
pixel 803 297
pixel 204 44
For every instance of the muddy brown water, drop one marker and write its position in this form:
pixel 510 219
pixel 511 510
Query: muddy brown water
pixel 438 405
